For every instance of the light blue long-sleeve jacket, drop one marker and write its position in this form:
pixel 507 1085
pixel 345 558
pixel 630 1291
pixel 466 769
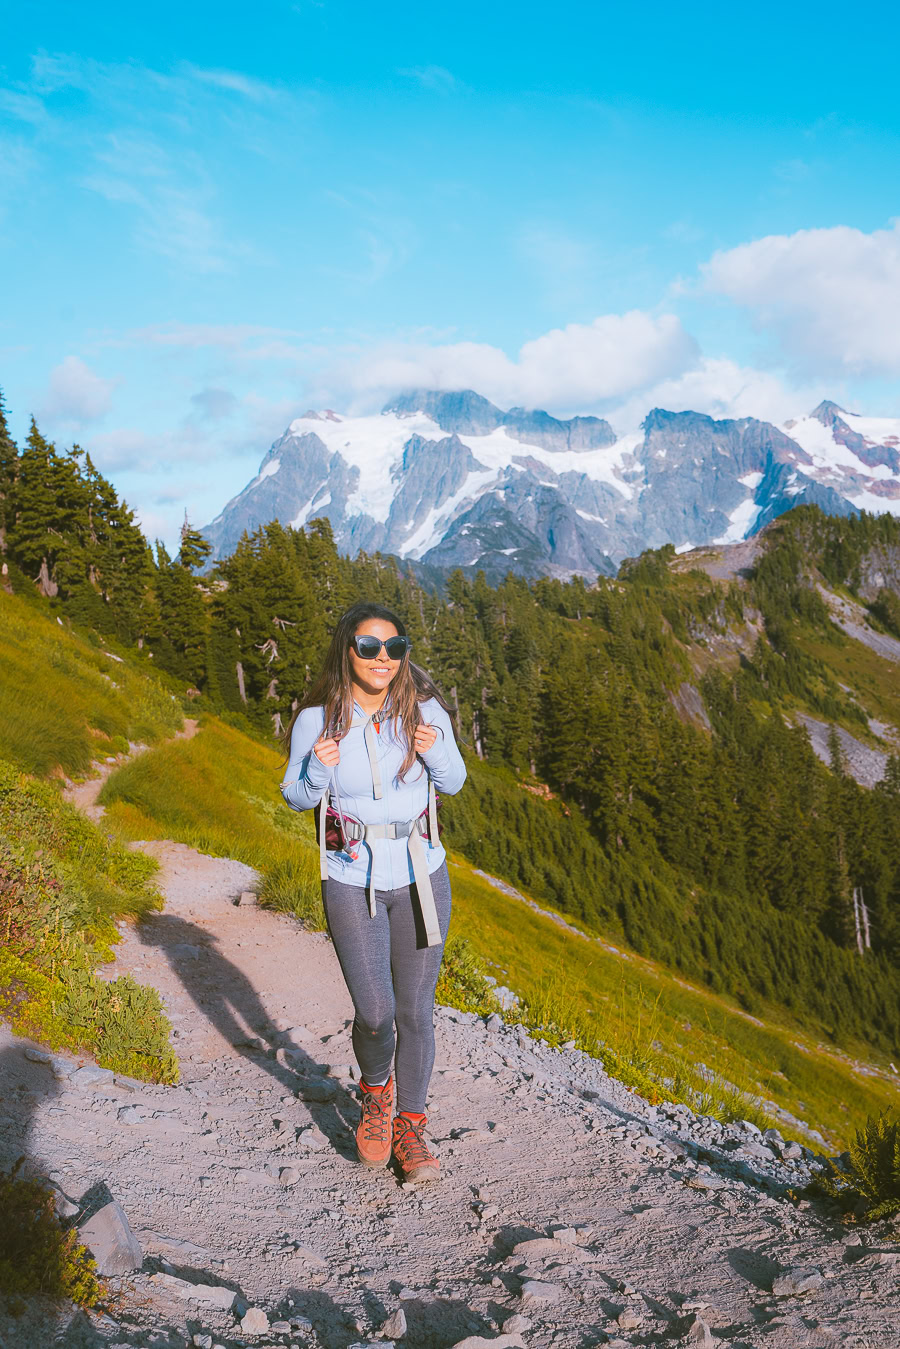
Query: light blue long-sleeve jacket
pixel 385 861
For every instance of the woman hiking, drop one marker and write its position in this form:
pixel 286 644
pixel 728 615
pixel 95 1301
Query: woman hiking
pixel 370 745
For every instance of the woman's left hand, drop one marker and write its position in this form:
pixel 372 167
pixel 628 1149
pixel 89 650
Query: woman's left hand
pixel 424 738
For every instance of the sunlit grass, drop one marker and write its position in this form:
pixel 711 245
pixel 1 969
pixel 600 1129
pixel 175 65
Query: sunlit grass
pixel 875 679
pixel 63 702
pixel 674 1039
pixel 219 793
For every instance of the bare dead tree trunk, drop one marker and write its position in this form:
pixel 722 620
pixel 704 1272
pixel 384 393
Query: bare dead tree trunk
pixel 46 583
pixel 865 921
pixel 6 582
pixel 239 669
pixel 856 920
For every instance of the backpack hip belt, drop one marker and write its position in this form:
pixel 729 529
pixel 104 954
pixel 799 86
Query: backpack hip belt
pixel 423 826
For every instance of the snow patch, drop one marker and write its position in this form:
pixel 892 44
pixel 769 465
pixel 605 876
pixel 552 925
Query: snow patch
pixel 876 430
pixel 268 470
pixel 434 526
pixel 685 548
pixel 301 516
pixel 875 504
pixel 742 520
pixel 828 454
pixel 751 480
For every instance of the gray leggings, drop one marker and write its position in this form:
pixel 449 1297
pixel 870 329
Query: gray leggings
pixel 391 975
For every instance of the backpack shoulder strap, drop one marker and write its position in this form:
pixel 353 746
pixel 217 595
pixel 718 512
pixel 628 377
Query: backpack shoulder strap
pixel 323 811
pixel 432 813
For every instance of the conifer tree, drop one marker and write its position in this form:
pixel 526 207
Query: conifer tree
pixel 8 471
pixel 194 548
pixel 180 641
pixel 46 499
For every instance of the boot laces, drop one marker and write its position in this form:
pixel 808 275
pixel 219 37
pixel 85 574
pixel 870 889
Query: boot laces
pixel 376 1113
pixel 412 1144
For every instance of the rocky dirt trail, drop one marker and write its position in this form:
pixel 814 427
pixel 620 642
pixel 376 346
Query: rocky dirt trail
pixel 570 1213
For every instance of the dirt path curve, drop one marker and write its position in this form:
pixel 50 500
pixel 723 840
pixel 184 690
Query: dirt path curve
pixel 85 794
pixel 243 1178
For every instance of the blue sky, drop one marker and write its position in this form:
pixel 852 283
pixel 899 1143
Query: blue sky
pixel 215 216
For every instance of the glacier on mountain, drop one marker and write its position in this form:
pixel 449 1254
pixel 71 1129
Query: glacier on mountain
pixel 448 480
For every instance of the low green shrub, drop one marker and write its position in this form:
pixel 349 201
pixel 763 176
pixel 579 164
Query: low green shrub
pixel 292 885
pixel 462 982
pixel 870 1183
pixel 36 1255
pixel 58 908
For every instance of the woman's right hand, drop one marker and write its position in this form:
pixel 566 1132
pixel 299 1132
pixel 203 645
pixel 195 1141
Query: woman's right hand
pixel 327 752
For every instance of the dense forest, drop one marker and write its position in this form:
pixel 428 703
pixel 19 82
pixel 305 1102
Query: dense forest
pixel 712 838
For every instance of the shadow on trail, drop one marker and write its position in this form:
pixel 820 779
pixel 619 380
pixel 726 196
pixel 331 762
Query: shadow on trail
pixel 227 998
pixel 32 1320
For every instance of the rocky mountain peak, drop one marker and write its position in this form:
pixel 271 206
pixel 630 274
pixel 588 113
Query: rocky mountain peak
pixel 326 415
pixel 827 412
pixel 535 427
pixel 459 410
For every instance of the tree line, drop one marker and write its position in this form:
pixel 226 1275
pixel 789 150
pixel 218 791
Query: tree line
pixel 705 832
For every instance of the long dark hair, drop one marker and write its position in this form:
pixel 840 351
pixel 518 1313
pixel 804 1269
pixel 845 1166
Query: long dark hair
pixel 332 689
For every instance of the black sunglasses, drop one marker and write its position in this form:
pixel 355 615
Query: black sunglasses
pixel 367 647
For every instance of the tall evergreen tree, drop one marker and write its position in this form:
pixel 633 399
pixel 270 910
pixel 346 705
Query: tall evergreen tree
pixel 9 456
pixel 180 635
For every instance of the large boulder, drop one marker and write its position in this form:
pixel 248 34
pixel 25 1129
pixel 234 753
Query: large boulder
pixel 110 1240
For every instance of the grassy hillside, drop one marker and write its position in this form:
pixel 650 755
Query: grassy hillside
pixel 63 881
pixel 218 792
pixel 66 700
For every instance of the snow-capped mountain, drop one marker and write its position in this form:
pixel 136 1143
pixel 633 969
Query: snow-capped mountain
pixel 450 480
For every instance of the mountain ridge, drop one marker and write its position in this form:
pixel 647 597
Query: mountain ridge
pixel 448 479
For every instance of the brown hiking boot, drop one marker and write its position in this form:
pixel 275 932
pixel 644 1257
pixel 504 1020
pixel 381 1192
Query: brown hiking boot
pixel 373 1133
pixel 411 1151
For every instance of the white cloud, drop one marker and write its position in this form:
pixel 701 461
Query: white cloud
pixel 234 82
pixel 146 140
pixel 575 367
pixel 24 107
pixel 171 211
pixel 436 78
pixel 830 296
pixel 721 388
pixel 76 393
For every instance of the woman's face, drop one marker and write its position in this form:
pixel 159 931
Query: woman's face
pixel 374 676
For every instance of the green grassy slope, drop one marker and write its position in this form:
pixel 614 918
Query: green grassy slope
pixel 65 700
pixel 63 881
